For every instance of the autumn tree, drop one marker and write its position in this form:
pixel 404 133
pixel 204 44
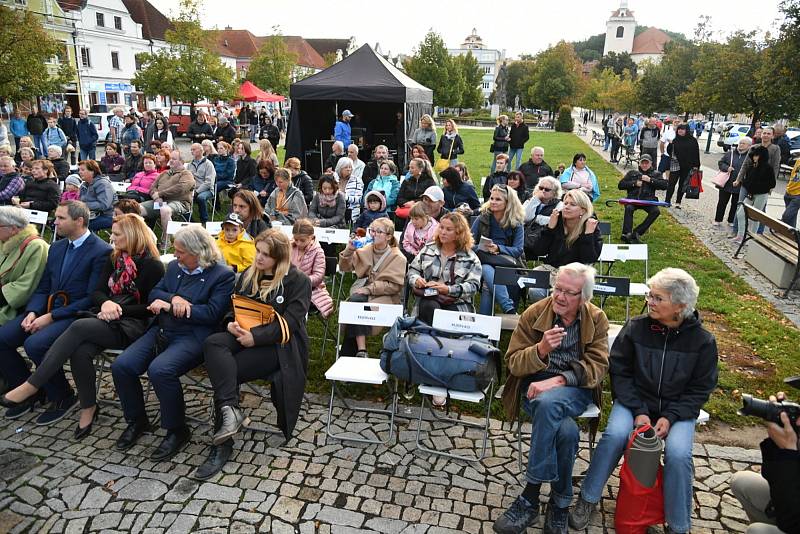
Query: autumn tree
pixel 271 67
pixel 520 78
pixel 432 66
pixel 557 78
pixel 187 69
pixel 25 47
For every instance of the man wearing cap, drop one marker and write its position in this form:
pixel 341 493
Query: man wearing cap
pixel 236 245
pixel 641 184
pixel 342 132
pixel 433 199
pixel 225 132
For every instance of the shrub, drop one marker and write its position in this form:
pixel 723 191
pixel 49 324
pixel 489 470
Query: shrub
pixel 564 122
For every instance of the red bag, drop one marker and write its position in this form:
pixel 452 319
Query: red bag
pixel 695 186
pixel 638 506
pixel 402 211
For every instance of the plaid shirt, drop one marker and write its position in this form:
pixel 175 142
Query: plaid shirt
pixel 116 124
pixel 428 265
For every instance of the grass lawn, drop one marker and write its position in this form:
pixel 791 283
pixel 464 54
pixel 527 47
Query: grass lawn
pixel 757 345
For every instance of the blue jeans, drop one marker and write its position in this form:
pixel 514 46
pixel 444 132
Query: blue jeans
pixel 554 439
pixel 89 154
pixel 101 222
pixel 678 465
pixel 500 293
pixel 40 145
pixel 792 203
pixel 182 354
pixel 201 199
pixel 515 153
pixel 13 366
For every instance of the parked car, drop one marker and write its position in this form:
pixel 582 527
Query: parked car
pixel 100 121
pixel 731 136
pixel 179 117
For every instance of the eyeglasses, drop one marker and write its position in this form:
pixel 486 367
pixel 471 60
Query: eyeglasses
pixel 374 231
pixel 545 189
pixel 566 292
pixel 653 298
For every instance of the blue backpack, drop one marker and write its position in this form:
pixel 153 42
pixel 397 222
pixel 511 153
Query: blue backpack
pixel 420 354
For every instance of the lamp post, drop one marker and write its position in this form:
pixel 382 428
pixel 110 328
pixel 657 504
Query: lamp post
pixel 710 133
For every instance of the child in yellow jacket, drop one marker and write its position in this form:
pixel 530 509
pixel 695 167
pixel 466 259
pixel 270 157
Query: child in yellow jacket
pixel 236 245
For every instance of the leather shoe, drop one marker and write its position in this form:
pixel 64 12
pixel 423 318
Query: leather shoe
pixel 18 409
pixel 128 438
pixel 232 420
pixel 173 442
pixel 217 458
pixel 82 432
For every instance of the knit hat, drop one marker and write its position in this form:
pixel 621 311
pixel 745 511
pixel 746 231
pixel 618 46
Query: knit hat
pixel 73 179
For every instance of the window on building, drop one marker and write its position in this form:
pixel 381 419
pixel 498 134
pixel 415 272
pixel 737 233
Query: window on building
pixel 21 2
pixel 118 23
pixel 620 32
pixel 485 85
pixel 93 98
pixel 86 58
pixel 136 62
pixel 115 60
pixel 112 98
pixel 101 19
pixel 487 70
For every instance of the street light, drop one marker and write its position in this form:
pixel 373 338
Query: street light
pixel 710 133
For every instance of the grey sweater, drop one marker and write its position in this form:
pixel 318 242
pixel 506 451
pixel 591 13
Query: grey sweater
pixel 99 196
pixel 204 174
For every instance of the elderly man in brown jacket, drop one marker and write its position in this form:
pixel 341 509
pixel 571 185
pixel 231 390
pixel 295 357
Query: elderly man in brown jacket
pixel 172 191
pixel 557 358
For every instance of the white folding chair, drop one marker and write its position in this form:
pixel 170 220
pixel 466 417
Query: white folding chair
pixel 335 236
pixel 38 217
pixel 467 323
pixel 612 253
pixel 613 286
pixel 172 229
pixel 354 370
pixel 214 228
pixel 120 187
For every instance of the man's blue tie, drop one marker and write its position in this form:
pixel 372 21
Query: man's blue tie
pixel 67 259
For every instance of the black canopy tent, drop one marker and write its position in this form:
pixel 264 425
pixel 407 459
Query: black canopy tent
pixel 366 84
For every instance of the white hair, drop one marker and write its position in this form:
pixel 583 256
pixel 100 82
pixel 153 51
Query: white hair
pixel 14 216
pixel 554 183
pixel 680 286
pixel 353 145
pixel 580 270
pixel 534 149
pixel 56 150
pixel 200 243
pixel 338 144
pixel 344 162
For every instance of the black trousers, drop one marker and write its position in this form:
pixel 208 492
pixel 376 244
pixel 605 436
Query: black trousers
pixel 80 343
pixel 427 306
pixel 229 364
pixel 627 219
pixel 722 202
pixel 615 144
pixel 680 178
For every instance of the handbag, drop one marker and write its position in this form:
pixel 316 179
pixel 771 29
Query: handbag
pixel 442 163
pixel 361 282
pixel 249 313
pixel 492 148
pixel 420 354
pixel 695 186
pixel 402 211
pixel 499 260
pixel 640 505
pixel 722 177
pixel 444 300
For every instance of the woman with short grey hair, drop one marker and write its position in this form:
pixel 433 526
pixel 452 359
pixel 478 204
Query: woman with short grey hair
pixel 663 370
pixel 197 241
pixel 189 304
pixel 22 260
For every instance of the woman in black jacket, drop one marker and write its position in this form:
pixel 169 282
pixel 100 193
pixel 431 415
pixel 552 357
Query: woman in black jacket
pixel 450 144
pixel 571 234
pixel 412 188
pixel 686 150
pixel 41 193
pixel 241 354
pixel 500 139
pixel 731 162
pixel 119 317
pixel 663 369
pixel 458 193
pixel 758 181
pixel 245 168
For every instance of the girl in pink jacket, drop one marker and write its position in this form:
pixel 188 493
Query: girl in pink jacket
pixel 419 230
pixel 308 257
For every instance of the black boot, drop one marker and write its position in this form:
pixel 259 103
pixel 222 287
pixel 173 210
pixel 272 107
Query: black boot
pixel 218 456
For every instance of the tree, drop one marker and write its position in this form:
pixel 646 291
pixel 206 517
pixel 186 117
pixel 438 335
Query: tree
pixel 564 121
pixel 591 48
pixel 520 78
pixel 25 46
pixel 557 79
pixel 780 61
pixel 187 70
pixel 619 63
pixel 271 67
pixel 472 94
pixel 330 58
pixel 659 85
pixel 434 68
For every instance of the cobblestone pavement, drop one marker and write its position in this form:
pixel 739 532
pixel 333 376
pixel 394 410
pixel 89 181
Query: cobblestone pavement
pixel 49 483
pixel 697 216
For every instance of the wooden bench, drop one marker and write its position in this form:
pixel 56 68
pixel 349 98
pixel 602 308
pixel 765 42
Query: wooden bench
pixel 780 239
pixel 597 138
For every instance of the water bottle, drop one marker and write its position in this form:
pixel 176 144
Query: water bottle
pixel 362 241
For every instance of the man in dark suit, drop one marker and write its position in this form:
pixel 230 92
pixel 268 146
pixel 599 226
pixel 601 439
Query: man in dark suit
pixel 70 276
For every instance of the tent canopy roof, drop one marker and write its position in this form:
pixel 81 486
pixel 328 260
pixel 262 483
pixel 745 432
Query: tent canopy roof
pixel 250 93
pixel 363 75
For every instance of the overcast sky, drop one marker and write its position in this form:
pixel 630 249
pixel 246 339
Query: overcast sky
pixel 400 26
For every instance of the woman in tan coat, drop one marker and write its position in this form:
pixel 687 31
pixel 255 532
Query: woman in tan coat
pixel 380 269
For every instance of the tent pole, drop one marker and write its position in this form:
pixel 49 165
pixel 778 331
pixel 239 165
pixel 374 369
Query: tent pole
pixel 405 133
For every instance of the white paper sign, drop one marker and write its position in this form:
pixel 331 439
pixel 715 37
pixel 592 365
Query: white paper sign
pixel 607 289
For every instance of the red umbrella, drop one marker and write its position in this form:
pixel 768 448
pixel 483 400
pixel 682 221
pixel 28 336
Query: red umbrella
pixel 250 93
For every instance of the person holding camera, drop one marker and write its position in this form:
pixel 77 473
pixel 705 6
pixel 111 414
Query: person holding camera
pixel 770 499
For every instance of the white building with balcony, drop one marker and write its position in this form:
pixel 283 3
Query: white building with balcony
pixel 489 60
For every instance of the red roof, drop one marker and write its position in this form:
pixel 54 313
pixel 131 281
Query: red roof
pixel 243 44
pixel 154 23
pixel 650 41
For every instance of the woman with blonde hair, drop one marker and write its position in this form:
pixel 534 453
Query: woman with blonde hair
pixel 450 144
pixel 119 317
pixel 500 225
pixel 300 179
pixel 380 269
pixel 267 152
pixel 208 149
pixel 286 203
pixel 276 347
pixel 309 257
pixel 425 135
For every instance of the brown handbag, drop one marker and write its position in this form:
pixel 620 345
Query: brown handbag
pixel 249 313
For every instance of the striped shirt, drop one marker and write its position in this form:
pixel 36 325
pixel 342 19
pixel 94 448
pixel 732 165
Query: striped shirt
pixel 561 358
